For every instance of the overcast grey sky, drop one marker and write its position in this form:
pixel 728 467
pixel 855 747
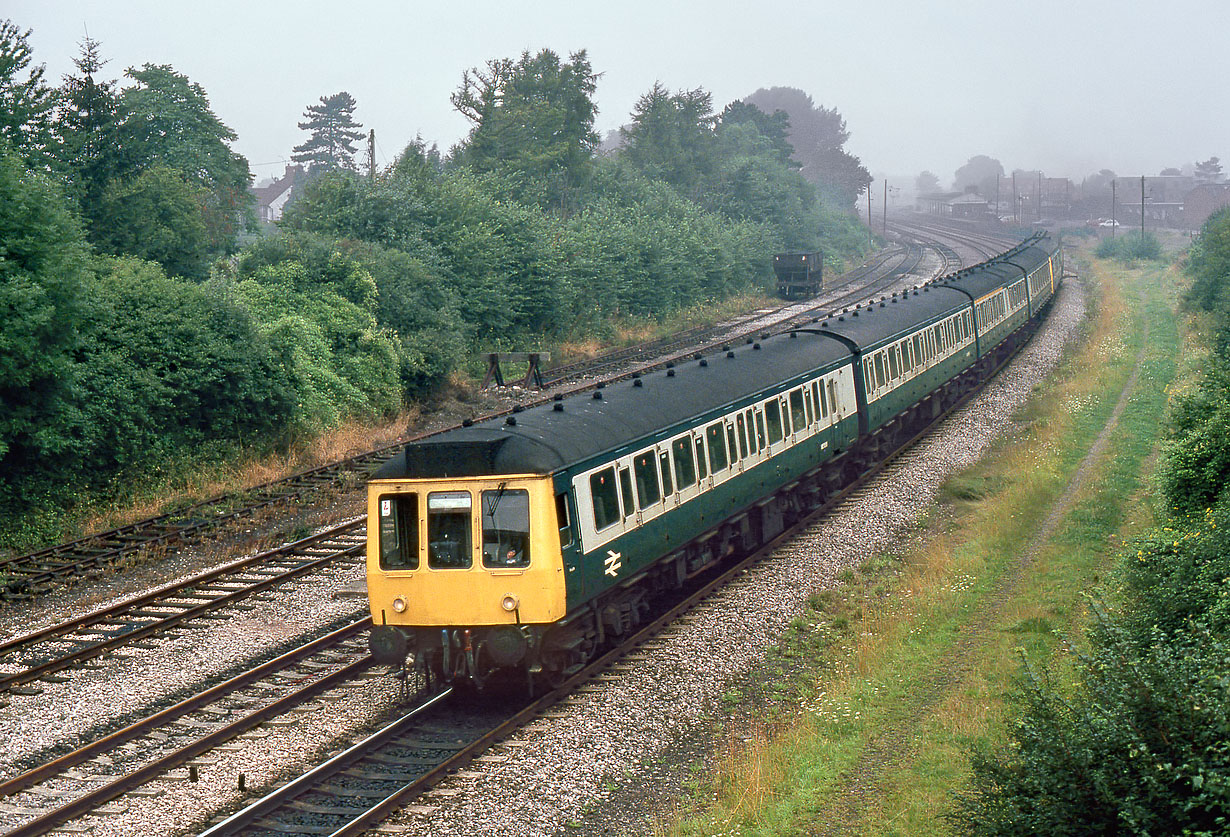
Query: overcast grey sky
pixel 1069 86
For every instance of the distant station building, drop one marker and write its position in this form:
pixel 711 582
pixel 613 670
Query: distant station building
pixel 271 198
pixel 953 204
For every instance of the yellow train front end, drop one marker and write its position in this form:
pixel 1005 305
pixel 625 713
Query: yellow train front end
pixel 464 574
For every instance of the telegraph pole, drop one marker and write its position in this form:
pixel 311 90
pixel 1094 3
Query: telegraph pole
pixel 884 211
pixel 1016 202
pixel 371 154
pixel 1142 210
pixel 869 221
pixel 1113 184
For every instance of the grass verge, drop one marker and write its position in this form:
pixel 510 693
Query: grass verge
pixel 892 679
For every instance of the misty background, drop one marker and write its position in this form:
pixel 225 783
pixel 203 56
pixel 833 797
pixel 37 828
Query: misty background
pixel 1067 88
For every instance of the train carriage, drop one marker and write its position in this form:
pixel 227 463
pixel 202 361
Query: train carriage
pixel 522 543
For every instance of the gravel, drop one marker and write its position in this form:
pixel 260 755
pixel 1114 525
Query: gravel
pixel 618 739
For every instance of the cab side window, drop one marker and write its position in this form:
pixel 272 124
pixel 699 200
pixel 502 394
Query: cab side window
pixel 399 532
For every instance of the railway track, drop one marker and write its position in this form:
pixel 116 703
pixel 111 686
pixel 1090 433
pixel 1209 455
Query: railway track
pixel 72 785
pixel 47 653
pixel 26 577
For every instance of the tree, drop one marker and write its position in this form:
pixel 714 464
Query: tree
pixel 87 126
pixel 1209 171
pixel 671 137
pixel 333 134
pixel 42 272
pixel 167 120
pixel 775 128
pixel 156 215
pixel 818 135
pixel 25 100
pixel 533 117
pixel 926 183
pixel 981 172
pixel 1171 172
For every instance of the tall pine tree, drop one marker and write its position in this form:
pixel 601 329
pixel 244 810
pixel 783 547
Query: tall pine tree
pixel 334 133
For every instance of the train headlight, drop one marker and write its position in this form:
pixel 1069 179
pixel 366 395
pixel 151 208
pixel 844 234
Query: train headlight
pixel 509 602
pixel 399 605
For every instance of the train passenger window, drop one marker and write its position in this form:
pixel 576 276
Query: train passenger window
pixel 817 392
pixel 938 333
pixel 700 458
pixel 562 518
pixel 730 443
pixel 773 418
pixel 881 379
pixel 893 369
pixel 833 397
pixel 606 501
pixel 907 360
pixel 506 527
pixel 760 441
pixel 798 415
pixel 739 420
pixel 717 446
pixel 869 377
pixel 645 467
pixel 807 404
pixel 399 532
pixel 448 530
pixel 685 466
pixel 918 349
pixel 625 491
pixel 664 459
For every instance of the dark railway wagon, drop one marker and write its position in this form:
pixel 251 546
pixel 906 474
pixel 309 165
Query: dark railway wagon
pixel 799 275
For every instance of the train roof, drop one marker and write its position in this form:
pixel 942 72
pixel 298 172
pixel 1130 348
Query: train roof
pixel 546 438
pixel 869 326
pixel 1006 269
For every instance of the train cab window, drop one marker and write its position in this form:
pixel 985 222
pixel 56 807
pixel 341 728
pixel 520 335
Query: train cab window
pixel 798 414
pixel 760 439
pixel 717 446
pixel 700 458
pixel 399 532
pixel 685 465
pixel 448 530
pixel 773 419
pixel 664 459
pixel 739 420
pixel 606 500
pixel 645 466
pixel 506 527
pixel 562 518
pixel 625 491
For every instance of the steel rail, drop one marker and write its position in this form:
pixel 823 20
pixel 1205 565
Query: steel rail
pixel 159 719
pixel 147 772
pixel 63 630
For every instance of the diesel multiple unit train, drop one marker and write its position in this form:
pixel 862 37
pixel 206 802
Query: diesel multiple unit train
pixel 523 543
